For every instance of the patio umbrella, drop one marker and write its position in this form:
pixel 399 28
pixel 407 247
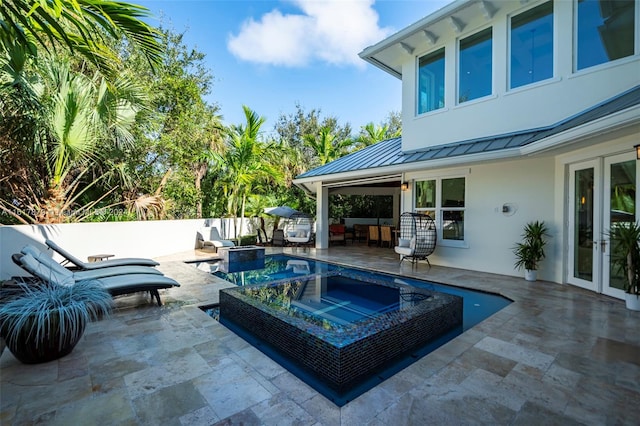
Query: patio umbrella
pixel 282 211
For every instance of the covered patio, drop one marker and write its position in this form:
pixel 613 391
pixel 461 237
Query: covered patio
pixel 557 355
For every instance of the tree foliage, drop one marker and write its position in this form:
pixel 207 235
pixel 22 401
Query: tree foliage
pixel 187 131
pixel 77 114
pixel 123 129
pixel 84 26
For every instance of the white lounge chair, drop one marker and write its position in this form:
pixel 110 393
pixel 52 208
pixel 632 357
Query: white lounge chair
pixel 298 234
pixel 102 264
pixel 116 285
pixel 210 237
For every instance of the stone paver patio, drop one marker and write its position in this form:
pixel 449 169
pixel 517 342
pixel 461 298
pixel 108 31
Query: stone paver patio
pixel 557 355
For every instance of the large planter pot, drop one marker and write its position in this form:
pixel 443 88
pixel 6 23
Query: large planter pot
pixel 531 274
pixel 30 350
pixel 632 301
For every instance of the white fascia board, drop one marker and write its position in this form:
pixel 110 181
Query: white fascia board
pixel 610 123
pixel 384 67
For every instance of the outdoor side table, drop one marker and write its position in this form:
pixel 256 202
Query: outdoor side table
pixel 99 257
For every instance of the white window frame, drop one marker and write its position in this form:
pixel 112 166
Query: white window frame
pixel 555 36
pixel 607 64
pixel 417 112
pixel 438 206
pixel 493 65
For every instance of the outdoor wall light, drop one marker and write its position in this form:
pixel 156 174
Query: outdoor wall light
pixel 637 148
pixel 404 186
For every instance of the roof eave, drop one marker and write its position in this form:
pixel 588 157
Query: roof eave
pixel 368 53
pixel 408 167
pixel 384 67
pixel 610 123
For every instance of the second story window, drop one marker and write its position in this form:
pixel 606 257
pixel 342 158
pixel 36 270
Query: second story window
pixel 431 82
pixel 532 45
pixel 605 31
pixel 475 66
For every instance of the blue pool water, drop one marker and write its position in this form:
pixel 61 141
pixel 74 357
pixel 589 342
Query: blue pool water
pixel 477 305
pixel 346 300
pixel 346 309
pixel 274 268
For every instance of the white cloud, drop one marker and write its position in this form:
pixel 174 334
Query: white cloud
pixel 333 31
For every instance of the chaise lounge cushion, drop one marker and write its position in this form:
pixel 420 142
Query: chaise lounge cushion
pixel 48 261
pixel 115 285
pixel 128 261
pixel 37 269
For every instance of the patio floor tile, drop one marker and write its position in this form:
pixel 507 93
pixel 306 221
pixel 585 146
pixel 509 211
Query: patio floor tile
pixel 556 355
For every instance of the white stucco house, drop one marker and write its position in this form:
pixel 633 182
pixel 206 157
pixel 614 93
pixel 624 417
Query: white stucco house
pixel 512 111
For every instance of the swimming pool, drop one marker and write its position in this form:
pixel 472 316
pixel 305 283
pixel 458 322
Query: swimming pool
pixel 272 268
pixel 344 330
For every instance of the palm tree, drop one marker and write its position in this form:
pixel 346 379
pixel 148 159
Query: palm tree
pixel 77 114
pixel 292 162
pixel 371 134
pixel 80 26
pixel 246 163
pixel 325 145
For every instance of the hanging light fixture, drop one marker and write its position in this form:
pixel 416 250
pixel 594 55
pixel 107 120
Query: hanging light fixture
pixel 637 148
pixel 404 186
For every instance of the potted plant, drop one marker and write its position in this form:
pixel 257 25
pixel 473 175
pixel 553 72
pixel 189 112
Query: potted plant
pixel 530 251
pixel 626 258
pixel 40 321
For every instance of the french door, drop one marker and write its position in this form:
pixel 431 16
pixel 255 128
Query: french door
pixel 603 194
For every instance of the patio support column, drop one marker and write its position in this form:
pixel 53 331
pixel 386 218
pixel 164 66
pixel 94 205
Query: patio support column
pixel 322 216
pixel 396 207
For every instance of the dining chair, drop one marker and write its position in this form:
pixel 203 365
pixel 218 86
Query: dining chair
pixel 374 234
pixel 385 236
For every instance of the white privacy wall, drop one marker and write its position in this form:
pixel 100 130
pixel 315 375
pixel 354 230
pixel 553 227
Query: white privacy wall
pixel 528 187
pixel 123 239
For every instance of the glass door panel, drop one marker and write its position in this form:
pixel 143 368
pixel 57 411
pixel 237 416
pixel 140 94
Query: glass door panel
pixel 620 191
pixel 584 228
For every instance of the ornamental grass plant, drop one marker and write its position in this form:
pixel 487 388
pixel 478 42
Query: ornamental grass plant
pixel 41 321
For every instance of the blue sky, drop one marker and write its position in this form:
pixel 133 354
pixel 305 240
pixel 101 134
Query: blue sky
pixel 270 55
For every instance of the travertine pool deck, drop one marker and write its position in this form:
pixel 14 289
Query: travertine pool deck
pixel 557 355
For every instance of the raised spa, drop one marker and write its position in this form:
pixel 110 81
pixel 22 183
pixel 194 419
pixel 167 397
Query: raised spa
pixel 341 327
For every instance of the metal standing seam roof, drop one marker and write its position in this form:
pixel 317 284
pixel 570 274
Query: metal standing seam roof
pixel 389 152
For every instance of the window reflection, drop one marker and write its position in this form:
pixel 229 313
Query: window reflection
pixel 425 194
pixel 605 31
pixel 453 225
pixel 431 82
pixel 583 232
pixel 475 66
pixel 532 45
pixel 623 209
